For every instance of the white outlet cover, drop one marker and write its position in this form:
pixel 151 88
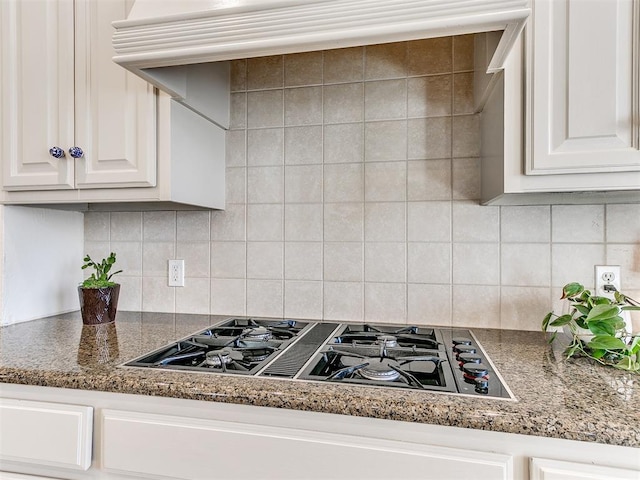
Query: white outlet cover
pixel 601 274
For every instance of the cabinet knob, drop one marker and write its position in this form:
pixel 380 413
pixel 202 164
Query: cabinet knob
pixel 76 152
pixel 56 152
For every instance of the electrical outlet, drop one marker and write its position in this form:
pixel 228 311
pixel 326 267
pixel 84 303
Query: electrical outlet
pixel 607 275
pixel 176 273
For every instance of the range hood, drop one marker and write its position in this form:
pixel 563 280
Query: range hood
pixel 177 33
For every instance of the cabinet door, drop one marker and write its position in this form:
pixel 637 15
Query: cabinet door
pixel 36 93
pixel 163 446
pixel 115 110
pixel 545 469
pixel 585 86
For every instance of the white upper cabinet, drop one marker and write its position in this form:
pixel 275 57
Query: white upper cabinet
pixel 584 87
pixel 61 89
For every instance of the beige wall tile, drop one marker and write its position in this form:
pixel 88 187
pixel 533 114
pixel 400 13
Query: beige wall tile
pixel 303 222
pixel 303 183
pixel 526 224
pixel 385 181
pixel 574 262
pixel 429 221
pixel 429 304
pixel 343 103
pixel 236 148
pixel 385 222
pixel 265 298
pixel 385 262
pixel 387 60
pixel 476 306
pixel 303 69
pixel 193 226
pixel 466 136
pixel 385 302
pixel 429 138
pixel 344 183
pixel 228 296
pixel 343 222
pixel 466 179
pixel 344 65
pixel 623 223
pixel 429 263
pixel 476 263
pixel 126 226
pixel 429 180
pixel 303 299
pixel 303 106
pixel 265 222
pixel 264 72
pixel 426 57
pixel 343 301
pixel 463 93
pixel 196 256
pixel 265 147
pixel 523 308
pixel 238 113
pixel 344 143
pixel 384 141
pixel 475 223
pixel 526 264
pixel 130 298
pixel 194 296
pixel 385 100
pixel 303 260
pixel 303 145
pixel 128 258
pixel 343 261
pixel 463 52
pixel 429 96
pixel 236 185
pixel 159 226
pixel 228 224
pixel 157 296
pixel 627 255
pixel 577 223
pixel 265 184
pixel 228 259
pixel 265 109
pixel 265 260
pixel 97 226
pixel 155 257
pixel 238 75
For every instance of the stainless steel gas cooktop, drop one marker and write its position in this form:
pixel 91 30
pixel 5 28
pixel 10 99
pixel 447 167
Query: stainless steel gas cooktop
pixel 381 355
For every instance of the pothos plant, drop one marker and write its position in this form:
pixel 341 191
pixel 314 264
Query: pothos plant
pixel 606 340
pixel 101 278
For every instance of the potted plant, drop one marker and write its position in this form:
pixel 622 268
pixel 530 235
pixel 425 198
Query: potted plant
pixel 98 294
pixel 596 327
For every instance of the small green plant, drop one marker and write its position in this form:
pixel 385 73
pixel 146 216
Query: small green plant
pixel 596 328
pixel 101 278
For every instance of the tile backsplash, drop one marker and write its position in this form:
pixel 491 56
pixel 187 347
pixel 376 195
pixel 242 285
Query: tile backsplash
pixel 352 194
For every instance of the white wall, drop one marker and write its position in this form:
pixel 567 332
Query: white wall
pixel 43 251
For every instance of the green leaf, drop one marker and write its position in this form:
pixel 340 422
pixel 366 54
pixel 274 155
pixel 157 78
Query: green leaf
pixel 629 307
pixel 562 320
pixel 602 327
pixel 571 290
pixel 628 363
pixel 606 342
pixel 598 353
pixel 582 309
pixel 546 320
pixel 601 312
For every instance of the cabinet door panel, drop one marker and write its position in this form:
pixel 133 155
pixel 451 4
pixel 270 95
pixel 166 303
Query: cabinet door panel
pixel 115 110
pixel 546 469
pixel 36 50
pixel 163 446
pixel 586 86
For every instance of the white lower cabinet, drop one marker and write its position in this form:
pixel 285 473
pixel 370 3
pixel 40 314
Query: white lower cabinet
pixel 50 434
pixel 546 469
pixel 162 446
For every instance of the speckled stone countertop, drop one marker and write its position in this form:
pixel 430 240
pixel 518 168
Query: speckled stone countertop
pixel 555 398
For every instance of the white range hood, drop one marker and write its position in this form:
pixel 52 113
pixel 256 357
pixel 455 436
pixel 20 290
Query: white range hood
pixel 170 33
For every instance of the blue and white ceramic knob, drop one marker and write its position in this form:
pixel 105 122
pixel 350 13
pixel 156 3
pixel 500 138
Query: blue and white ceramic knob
pixel 76 152
pixel 56 152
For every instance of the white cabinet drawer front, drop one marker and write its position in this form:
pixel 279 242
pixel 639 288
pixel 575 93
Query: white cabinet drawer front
pixel 159 446
pixel 546 469
pixel 46 433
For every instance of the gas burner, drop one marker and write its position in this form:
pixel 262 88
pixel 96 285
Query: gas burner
pixel 385 369
pixel 224 356
pixel 257 334
pixel 387 340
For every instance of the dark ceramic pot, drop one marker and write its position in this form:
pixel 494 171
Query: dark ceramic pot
pixel 98 305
